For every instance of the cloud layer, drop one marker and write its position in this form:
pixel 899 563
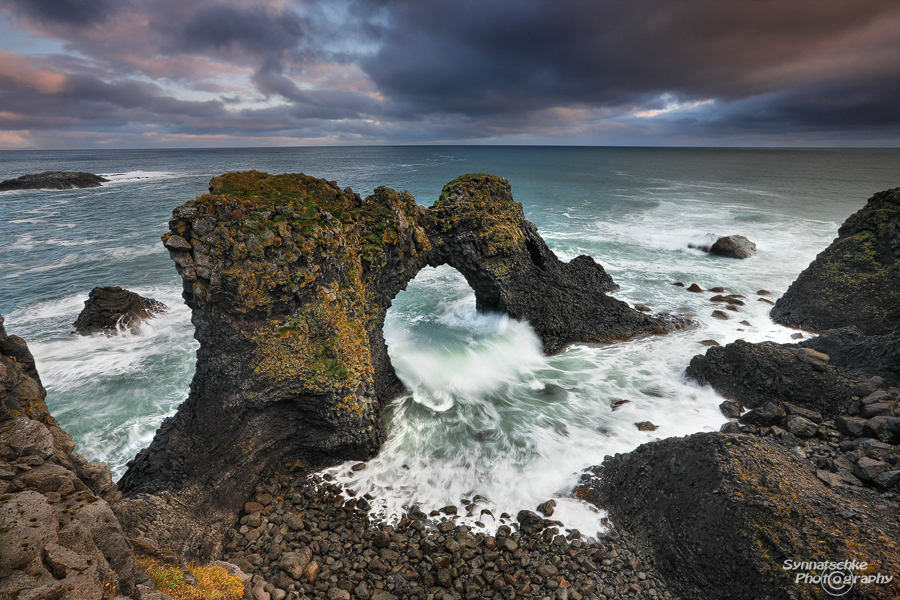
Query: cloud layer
pixel 229 72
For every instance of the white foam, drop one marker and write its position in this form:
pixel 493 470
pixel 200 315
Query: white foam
pixel 139 176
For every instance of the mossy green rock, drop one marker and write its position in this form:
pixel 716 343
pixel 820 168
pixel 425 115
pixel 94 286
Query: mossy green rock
pixel 856 280
pixel 289 279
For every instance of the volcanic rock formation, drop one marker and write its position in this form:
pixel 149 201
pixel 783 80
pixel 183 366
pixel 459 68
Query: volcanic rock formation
pixel 58 535
pixel 719 515
pixel 109 308
pixel 289 279
pixel 856 280
pixel 53 180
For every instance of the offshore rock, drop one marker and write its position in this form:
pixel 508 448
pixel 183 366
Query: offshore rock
pixel 719 515
pixel 109 308
pixel 856 280
pixel 735 246
pixel 289 279
pixel 58 534
pixel 53 180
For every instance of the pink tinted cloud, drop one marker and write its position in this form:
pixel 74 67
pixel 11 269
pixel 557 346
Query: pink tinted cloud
pixel 19 70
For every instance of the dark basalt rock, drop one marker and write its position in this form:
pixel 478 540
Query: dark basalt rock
pixel 53 180
pixel 859 356
pixel 108 308
pixel 767 372
pixel 718 515
pixel 856 280
pixel 289 279
pixel 735 246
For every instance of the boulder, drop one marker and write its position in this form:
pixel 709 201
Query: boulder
pixel 109 308
pixel 735 246
pixel 53 180
pixel 744 504
pixel 756 374
pixel 763 416
pixel 289 279
pixel 856 280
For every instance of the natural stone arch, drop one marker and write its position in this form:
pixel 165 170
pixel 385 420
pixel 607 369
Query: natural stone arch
pixel 289 279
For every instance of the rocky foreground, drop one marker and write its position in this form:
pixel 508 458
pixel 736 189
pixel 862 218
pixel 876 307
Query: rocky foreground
pixel 53 180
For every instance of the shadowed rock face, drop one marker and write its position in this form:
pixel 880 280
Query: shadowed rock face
pixel 289 279
pixel 769 372
pixel 718 515
pixel 108 308
pixel 53 180
pixel 856 280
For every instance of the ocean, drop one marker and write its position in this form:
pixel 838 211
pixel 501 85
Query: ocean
pixel 487 412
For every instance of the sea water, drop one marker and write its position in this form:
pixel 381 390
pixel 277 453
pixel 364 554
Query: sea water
pixel 487 414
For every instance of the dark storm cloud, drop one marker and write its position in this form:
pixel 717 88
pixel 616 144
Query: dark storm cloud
pixel 502 56
pixel 415 70
pixel 70 12
pixel 247 29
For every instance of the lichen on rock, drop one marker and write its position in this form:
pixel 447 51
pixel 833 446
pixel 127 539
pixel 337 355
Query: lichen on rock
pixel 289 279
pixel 856 280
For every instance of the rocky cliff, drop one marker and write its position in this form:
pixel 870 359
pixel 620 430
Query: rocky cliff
pixel 58 534
pixel 856 280
pixel 289 278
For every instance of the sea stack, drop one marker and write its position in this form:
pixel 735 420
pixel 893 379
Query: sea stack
pixel 289 279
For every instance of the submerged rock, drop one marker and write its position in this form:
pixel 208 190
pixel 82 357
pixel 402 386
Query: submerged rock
pixel 53 180
pixel 856 280
pixel 289 279
pixel 109 308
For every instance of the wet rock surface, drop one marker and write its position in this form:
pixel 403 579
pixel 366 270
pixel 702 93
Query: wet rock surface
pixel 720 514
pixel 110 308
pixel 756 374
pixel 856 280
pixel 53 180
pixel 735 246
pixel 289 279
pixel 303 537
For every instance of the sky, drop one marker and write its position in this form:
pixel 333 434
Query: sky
pixel 226 73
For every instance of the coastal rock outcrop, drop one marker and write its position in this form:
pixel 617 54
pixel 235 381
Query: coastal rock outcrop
pixel 59 536
pixel 53 180
pixel 289 279
pixel 730 515
pixel 735 246
pixel 856 280
pixel 109 308
pixel 768 372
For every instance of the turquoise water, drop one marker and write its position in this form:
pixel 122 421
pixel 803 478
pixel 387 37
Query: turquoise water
pixel 487 413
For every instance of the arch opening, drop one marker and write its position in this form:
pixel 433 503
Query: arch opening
pixel 445 349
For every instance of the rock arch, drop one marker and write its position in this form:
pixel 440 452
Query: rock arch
pixel 289 279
